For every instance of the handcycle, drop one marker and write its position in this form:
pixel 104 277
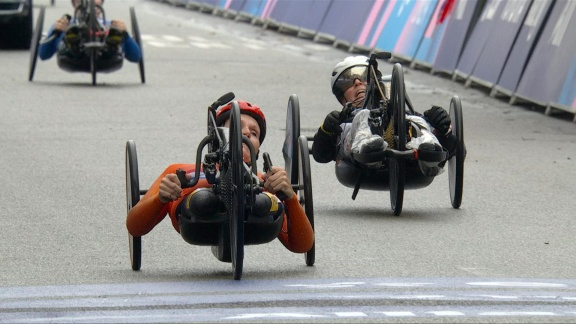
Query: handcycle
pixel 396 168
pixel 235 184
pixel 92 45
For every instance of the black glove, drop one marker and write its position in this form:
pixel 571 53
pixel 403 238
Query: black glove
pixel 332 123
pixel 439 119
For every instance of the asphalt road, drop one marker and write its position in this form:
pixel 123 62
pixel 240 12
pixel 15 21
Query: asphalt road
pixel 506 255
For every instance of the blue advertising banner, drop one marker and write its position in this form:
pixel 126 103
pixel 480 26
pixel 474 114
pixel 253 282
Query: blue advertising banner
pixel 454 37
pixel 235 5
pixel 252 7
pixel 391 24
pixel 523 46
pixel 343 19
pixel 477 41
pixel 305 14
pixel 428 47
pixel 500 42
pixel 413 32
pixel 568 94
pixel 549 76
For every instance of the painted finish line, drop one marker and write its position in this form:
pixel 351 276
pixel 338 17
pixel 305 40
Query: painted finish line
pixel 246 300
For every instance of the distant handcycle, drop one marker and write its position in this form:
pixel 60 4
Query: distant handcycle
pixel 395 168
pixel 92 44
pixel 235 183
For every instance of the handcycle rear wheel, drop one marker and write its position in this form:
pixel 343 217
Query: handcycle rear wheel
pixel 138 40
pixel 397 166
pixel 35 44
pixel 305 191
pixel 238 195
pixel 132 198
pixel 456 162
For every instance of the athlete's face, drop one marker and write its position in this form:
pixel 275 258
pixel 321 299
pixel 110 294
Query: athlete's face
pixel 76 4
pixel 355 94
pixel 250 129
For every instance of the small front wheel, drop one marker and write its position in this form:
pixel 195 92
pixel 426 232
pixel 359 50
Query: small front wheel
pixel 35 44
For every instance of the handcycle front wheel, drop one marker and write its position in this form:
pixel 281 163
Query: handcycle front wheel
pixel 93 27
pixel 35 43
pixel 132 198
pixel 397 166
pixel 456 162
pixel 238 196
pixel 305 191
pixel 138 40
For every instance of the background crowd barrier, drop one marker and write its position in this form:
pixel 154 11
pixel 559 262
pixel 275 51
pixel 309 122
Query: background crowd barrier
pixel 549 78
pixel 430 40
pixel 524 50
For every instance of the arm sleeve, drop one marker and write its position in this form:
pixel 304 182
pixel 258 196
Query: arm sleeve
pixel 324 147
pixel 297 234
pixel 47 48
pixel 149 211
pixel 131 49
pixel 146 214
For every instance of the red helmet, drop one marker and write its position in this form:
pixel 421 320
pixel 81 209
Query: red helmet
pixel 223 113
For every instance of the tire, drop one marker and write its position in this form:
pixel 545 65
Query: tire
pixel 138 40
pixel 237 194
pixel 456 163
pixel 290 147
pixel 36 43
pixel 132 198
pixel 93 26
pixel 305 191
pixel 397 167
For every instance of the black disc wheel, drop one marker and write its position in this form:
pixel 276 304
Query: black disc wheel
pixel 290 147
pixel 35 44
pixel 132 198
pixel 397 166
pixel 305 191
pixel 237 194
pixel 456 162
pixel 138 40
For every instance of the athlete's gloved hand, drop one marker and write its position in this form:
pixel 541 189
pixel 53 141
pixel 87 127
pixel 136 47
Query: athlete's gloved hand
pixel 331 124
pixel 439 119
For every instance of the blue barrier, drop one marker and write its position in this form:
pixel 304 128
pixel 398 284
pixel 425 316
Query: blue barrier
pixel 523 46
pixel 235 5
pixel 253 7
pixel 454 37
pixel 549 77
pixel 392 23
pixel 499 43
pixel 344 19
pixel 302 14
pixel 475 44
pixel 401 27
pixel 428 47
pixel 413 32
pixel 568 94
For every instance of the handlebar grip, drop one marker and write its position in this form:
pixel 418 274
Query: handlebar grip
pixel 346 111
pixel 268 167
pixel 184 183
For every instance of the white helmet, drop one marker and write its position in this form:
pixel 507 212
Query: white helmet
pixel 350 61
